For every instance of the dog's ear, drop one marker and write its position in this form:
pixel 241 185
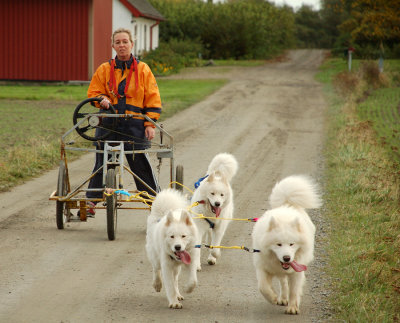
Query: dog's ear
pixel 272 224
pixel 210 177
pixel 186 218
pixel 170 218
pixel 297 225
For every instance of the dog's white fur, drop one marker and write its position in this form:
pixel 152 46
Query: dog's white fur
pixel 285 237
pixel 170 243
pixel 216 197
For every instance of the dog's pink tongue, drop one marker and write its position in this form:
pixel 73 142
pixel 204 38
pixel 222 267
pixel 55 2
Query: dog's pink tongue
pixel 217 210
pixel 298 267
pixel 184 256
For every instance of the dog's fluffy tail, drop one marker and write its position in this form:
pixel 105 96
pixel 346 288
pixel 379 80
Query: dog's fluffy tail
pixel 225 164
pixel 168 199
pixel 298 191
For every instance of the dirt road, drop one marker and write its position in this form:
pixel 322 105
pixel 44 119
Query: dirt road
pixel 271 118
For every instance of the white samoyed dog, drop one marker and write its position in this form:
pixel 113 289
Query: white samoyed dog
pixel 170 244
pixel 215 197
pixel 284 237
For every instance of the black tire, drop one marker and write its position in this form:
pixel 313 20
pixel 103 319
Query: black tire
pixel 87 130
pixel 62 211
pixel 111 202
pixel 179 177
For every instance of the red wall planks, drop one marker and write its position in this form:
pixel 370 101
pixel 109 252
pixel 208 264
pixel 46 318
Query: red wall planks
pixel 44 40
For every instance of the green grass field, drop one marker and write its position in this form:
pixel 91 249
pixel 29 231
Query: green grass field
pixel 382 108
pixel 362 199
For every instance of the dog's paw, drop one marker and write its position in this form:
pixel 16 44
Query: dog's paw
pixel 180 297
pixel 175 305
pixel 273 299
pixel 292 310
pixel 216 253
pixel 157 285
pixel 211 260
pixel 190 287
pixel 198 268
pixel 282 302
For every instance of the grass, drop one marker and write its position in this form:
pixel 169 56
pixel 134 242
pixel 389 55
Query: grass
pixel 34 117
pixel 43 92
pixel 382 107
pixel 362 199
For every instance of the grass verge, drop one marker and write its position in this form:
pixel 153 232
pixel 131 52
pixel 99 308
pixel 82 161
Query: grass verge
pixel 362 197
pixel 35 117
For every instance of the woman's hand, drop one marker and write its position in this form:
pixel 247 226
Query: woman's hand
pixel 149 132
pixel 105 103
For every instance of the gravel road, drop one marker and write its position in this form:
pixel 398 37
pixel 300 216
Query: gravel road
pixel 270 117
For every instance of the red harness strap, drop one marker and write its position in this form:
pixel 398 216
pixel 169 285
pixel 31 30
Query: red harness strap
pixel 113 83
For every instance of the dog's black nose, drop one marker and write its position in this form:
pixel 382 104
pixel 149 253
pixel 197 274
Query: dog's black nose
pixel 178 247
pixel 217 204
pixel 286 258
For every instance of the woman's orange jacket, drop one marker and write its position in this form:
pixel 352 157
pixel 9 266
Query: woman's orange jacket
pixel 143 100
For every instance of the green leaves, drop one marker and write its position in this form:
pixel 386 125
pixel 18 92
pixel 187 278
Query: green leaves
pixel 235 29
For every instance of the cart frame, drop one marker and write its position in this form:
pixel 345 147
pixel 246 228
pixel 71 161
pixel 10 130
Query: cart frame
pixel 69 198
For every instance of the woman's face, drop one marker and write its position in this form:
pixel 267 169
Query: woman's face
pixel 123 46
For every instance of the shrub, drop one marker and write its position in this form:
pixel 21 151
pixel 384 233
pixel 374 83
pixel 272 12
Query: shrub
pixel 370 73
pixel 346 83
pixel 163 60
pixel 170 57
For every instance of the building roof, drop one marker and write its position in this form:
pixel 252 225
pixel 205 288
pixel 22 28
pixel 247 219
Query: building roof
pixel 142 8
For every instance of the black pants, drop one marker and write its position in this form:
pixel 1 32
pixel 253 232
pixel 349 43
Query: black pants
pixel 139 165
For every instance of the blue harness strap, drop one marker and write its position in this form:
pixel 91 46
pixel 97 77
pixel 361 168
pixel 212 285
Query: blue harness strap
pixel 197 184
pixel 124 192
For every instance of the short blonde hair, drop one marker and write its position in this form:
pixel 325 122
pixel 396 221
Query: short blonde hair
pixel 122 30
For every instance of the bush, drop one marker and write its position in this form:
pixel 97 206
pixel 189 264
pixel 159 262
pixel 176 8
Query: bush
pixel 370 73
pixel 242 29
pixel 163 60
pixel 346 83
pixel 362 82
pixel 170 57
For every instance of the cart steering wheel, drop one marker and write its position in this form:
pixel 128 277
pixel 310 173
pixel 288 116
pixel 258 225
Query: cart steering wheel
pixel 88 128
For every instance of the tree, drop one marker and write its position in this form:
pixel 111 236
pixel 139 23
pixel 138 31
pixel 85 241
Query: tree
pixel 310 30
pixel 232 29
pixel 373 25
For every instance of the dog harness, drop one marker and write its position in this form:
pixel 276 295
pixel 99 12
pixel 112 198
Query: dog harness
pixel 197 184
pixel 212 224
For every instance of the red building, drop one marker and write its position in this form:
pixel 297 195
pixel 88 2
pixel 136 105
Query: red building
pixel 60 40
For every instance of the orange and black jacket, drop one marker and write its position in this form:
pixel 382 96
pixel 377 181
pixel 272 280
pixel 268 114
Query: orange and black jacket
pixel 141 96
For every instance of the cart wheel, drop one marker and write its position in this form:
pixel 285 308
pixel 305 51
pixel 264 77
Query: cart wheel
pixel 111 202
pixel 179 177
pixel 62 212
pixel 87 129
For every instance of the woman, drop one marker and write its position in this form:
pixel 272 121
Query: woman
pixel 130 86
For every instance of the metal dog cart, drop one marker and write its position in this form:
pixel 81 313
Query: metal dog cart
pixel 86 119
